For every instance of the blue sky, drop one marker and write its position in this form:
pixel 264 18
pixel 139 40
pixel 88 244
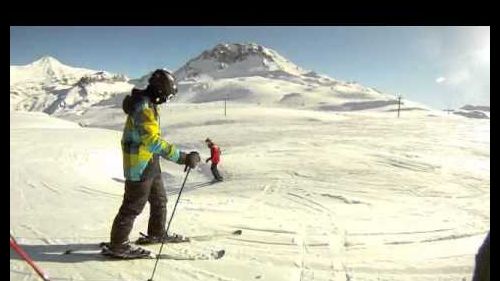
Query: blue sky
pixel 439 66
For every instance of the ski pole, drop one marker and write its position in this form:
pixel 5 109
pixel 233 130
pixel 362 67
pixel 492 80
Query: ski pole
pixel 27 258
pixel 168 225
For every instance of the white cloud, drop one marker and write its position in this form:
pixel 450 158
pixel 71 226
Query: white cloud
pixel 483 55
pixel 461 57
pixel 440 80
pixel 465 67
pixel 461 76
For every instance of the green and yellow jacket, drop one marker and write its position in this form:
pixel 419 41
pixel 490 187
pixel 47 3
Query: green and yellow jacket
pixel 141 138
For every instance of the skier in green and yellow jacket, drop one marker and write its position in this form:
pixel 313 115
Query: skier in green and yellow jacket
pixel 142 146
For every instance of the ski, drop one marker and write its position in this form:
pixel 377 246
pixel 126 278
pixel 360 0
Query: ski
pixel 210 255
pixel 185 239
pixel 102 250
pixel 170 239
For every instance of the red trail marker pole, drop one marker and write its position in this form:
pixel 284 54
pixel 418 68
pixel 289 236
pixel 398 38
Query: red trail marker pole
pixel 27 258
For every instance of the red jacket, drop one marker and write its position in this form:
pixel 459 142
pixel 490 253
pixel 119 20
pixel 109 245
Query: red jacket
pixel 215 154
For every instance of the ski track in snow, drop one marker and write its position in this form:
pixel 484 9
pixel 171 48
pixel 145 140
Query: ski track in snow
pixel 49 187
pixel 93 192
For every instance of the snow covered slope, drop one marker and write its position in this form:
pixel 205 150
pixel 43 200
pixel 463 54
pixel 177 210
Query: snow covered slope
pixel 318 195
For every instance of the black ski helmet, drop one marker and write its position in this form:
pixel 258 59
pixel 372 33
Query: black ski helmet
pixel 162 86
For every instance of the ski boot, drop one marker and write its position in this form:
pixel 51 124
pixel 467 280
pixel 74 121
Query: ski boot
pixel 125 251
pixel 174 238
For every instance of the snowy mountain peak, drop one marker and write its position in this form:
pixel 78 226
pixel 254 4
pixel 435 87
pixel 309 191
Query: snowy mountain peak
pixel 51 86
pixel 46 70
pixel 234 52
pixel 47 61
pixel 228 60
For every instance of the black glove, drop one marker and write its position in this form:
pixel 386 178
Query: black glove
pixel 208 159
pixel 190 160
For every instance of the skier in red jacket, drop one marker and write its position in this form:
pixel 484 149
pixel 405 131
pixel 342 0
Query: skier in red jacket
pixel 215 158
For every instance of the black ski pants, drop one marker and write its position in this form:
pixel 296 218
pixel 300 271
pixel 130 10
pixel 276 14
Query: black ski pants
pixel 215 172
pixel 137 193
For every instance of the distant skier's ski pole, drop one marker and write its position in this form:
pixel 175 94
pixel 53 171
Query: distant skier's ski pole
pixel 168 225
pixel 27 258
